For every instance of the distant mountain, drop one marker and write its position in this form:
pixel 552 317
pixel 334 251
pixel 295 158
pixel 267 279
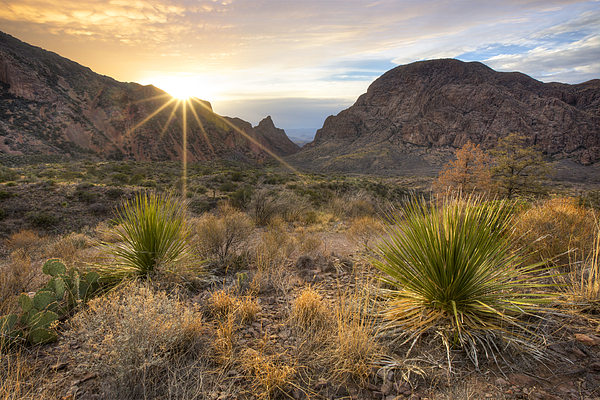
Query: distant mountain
pixel 413 117
pixel 51 105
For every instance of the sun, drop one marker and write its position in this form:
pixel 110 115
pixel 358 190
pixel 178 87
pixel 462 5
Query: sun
pixel 184 87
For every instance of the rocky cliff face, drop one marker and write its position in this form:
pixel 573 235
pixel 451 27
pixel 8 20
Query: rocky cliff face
pixel 413 116
pixel 51 105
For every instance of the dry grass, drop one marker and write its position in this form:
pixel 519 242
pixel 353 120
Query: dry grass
pixel 18 274
pixel 309 243
pixel 133 334
pixel 310 312
pixel 269 376
pixel 585 281
pixel 19 376
pixel 269 256
pixel 221 303
pixel 247 310
pixel 224 341
pixel 558 230
pixel 364 230
pixel 354 206
pixel 354 347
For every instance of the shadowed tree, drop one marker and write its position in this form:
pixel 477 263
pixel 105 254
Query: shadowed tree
pixel 519 169
pixel 469 173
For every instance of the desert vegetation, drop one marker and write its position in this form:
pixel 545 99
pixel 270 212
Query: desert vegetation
pixel 262 284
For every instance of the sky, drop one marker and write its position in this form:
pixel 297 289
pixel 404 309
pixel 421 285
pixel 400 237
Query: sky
pixel 302 60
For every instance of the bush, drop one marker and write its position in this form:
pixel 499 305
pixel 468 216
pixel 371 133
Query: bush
pixel 453 273
pixel 557 230
pixel 133 335
pixel 153 233
pixel 220 236
pixel 41 219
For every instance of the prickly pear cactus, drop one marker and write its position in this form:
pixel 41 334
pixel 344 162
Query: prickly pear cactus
pixel 65 291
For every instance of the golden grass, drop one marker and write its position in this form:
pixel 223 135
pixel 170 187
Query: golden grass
pixel 133 331
pixel 310 312
pixel 19 376
pixel 364 230
pixel 557 230
pixel 269 376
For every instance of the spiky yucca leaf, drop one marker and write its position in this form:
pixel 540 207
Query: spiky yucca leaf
pixel 452 271
pixel 152 230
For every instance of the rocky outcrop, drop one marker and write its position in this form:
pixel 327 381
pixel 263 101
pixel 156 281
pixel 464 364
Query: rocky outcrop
pixel 275 138
pixel 422 111
pixel 52 105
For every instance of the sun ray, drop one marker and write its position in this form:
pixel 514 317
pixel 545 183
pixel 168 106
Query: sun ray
pixel 202 129
pixel 256 142
pixel 173 111
pixel 184 178
pixel 149 117
pixel 160 96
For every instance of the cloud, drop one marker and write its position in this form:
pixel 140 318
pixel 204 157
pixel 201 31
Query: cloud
pixel 266 49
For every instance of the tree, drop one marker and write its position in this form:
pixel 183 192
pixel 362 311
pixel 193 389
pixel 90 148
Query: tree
pixel 519 168
pixel 469 173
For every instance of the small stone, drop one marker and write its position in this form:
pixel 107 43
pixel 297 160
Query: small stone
pixel 386 388
pixel 502 382
pixel 588 340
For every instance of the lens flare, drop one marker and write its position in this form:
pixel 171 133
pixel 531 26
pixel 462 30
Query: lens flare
pixel 186 101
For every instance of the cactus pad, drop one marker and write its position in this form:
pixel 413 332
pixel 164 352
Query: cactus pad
pixel 54 267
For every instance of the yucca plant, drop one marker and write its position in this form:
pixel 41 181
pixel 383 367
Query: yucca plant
pixel 152 232
pixel 451 271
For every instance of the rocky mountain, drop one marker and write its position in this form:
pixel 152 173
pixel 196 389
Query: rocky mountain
pixel 51 105
pixel 413 117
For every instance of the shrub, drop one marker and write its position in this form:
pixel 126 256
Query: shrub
pixel 153 232
pixel 114 193
pixel 363 230
pixel 452 272
pixel 221 235
pixel 557 230
pixel 41 219
pixel 133 334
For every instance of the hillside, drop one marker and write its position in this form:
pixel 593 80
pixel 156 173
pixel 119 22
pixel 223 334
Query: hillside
pixel 414 116
pixel 51 105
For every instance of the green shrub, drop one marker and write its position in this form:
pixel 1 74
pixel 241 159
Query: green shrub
pixel 152 233
pixel 41 219
pixel 114 193
pixel 227 187
pixel 452 272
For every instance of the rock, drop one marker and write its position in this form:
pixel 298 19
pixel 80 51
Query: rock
pixel 501 382
pixel 588 340
pixel 386 388
pixel 521 380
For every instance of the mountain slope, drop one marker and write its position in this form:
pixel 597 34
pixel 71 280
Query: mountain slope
pixel 51 105
pixel 413 116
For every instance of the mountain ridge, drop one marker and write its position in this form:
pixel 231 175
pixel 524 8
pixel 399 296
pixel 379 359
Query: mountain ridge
pixel 52 105
pixel 415 115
